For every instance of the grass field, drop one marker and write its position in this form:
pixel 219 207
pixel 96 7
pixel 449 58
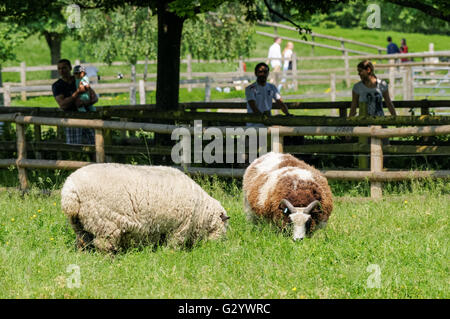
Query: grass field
pixel 393 248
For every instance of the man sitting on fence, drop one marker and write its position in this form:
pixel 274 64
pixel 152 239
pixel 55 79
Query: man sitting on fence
pixel 65 93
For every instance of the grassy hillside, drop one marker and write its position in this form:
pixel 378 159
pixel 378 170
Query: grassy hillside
pixel 35 52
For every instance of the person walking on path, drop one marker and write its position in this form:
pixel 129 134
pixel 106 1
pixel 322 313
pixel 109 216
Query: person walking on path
pixel 404 49
pixel 274 55
pixel 392 48
pixel 287 64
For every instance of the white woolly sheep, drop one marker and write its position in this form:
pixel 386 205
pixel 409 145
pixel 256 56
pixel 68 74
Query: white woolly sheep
pixel 115 206
pixel 284 189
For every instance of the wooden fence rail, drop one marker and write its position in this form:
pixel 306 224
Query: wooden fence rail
pixel 376 175
pixel 394 62
pixel 406 85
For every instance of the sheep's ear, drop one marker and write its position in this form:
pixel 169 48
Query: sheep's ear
pixel 285 204
pixel 224 217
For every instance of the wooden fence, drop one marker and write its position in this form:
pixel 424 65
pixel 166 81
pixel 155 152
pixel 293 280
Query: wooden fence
pixel 315 35
pixel 298 76
pixel 108 119
pixel 403 82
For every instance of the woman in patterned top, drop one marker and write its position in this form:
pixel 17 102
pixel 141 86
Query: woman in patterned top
pixel 371 91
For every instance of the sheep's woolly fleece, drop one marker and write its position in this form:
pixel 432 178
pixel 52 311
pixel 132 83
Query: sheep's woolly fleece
pixel 114 206
pixel 275 176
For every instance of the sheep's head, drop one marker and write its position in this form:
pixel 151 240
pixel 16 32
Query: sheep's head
pixel 225 219
pixel 299 216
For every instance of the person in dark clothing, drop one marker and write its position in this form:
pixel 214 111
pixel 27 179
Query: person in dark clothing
pixel 65 93
pixel 392 48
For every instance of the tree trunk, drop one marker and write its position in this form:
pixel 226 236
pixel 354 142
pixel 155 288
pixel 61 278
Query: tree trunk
pixel 54 41
pixel 170 27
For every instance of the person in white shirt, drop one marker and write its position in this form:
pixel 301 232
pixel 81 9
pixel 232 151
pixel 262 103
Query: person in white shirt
pixel 287 64
pixel 275 53
pixel 259 95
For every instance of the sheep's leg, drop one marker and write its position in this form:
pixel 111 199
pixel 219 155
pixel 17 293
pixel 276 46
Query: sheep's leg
pixel 178 238
pixel 110 243
pixel 251 217
pixel 84 240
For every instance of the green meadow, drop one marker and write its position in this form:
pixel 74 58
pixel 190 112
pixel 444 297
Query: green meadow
pixel 393 248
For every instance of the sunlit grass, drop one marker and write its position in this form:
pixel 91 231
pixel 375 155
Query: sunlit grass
pixel 399 235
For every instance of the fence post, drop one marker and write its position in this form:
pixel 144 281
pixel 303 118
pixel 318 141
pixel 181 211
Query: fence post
pixel 276 143
pixel 23 80
pixel 363 140
pixel 376 165
pixel 133 85
pixel 7 95
pixel 294 71
pixel 99 146
pixel 333 87
pixel 241 67
pixel 347 69
pixel 392 79
pixel 59 136
pixel 37 138
pixel 189 70
pixel 141 92
pixel 207 90
pixel 21 155
pixel 333 91
pixel 409 84
pixel 343 112
pixel 312 46
pixel 405 84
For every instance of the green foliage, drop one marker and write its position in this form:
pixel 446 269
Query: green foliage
pixel 393 18
pixel 223 34
pixel 125 33
pixel 11 35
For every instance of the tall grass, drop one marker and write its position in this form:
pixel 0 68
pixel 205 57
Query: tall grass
pixel 402 238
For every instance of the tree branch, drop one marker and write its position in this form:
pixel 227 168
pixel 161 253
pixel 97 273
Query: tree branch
pixel 300 28
pixel 442 13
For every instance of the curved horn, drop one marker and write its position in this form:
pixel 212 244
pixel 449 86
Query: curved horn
pixel 311 206
pixel 288 205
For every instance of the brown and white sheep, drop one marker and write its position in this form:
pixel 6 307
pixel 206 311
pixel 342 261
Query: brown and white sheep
pixel 285 190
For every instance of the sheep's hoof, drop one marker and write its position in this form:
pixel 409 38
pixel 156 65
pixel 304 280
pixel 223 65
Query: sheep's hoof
pixel 103 244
